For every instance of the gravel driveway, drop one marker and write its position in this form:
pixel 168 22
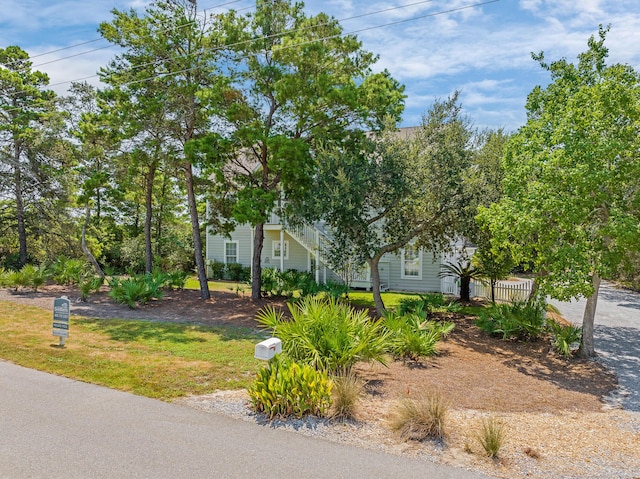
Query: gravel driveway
pixel 617 338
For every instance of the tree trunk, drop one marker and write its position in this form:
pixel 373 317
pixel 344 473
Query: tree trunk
pixel 85 250
pixel 493 291
pixel 587 347
pixel 148 219
pixel 20 214
pixel 374 264
pixel 195 229
pixel 256 263
pixel 465 288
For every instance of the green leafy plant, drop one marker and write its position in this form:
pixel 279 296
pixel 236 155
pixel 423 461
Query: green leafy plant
pixel 523 320
pixel 564 336
pixel 177 279
pixel 216 269
pixel 237 272
pixel 491 436
pixel 67 270
pixel 326 334
pixel 335 290
pixel 285 388
pixel 422 417
pixel 428 303
pixel 464 271
pixel 135 291
pixel 347 390
pixel 412 337
pixel 89 284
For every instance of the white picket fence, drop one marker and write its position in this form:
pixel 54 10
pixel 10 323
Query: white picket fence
pixel 505 291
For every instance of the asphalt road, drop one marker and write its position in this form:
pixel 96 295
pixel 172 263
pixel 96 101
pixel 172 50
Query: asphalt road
pixel 54 427
pixel 617 338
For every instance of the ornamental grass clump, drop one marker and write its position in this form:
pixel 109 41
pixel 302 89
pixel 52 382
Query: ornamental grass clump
pixel 326 334
pixel 422 417
pixel 347 390
pixel 491 436
pixel 285 388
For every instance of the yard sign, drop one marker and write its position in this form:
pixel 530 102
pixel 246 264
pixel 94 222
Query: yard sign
pixel 61 312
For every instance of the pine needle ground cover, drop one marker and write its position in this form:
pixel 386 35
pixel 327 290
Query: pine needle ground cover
pixel 153 359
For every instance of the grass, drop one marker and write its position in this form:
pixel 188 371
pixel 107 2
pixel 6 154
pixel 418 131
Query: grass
pixel 153 359
pixel 422 417
pixel 193 283
pixel 491 436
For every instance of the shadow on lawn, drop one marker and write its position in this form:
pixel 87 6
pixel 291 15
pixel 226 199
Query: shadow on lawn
pixel 130 331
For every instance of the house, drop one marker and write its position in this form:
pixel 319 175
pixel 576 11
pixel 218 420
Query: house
pixel 304 248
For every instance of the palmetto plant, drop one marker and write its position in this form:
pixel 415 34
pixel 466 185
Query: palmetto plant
pixel 326 334
pixel 465 272
pixel 411 336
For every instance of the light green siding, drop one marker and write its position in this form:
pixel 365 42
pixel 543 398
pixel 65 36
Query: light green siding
pixel 429 281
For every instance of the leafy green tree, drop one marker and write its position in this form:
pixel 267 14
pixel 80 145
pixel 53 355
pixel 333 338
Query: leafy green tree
pixel 405 187
pixel 173 56
pixel 571 195
pixel 31 161
pixel 300 82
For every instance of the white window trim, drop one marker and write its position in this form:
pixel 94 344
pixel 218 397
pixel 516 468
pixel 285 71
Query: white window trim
pixel 237 251
pixel 275 243
pixel 402 268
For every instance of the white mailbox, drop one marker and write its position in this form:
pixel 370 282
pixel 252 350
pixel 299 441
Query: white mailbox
pixel 268 348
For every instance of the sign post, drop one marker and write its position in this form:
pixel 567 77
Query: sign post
pixel 61 313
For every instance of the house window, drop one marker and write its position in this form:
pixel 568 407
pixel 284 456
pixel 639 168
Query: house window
pixel 411 263
pixel 276 250
pixel 230 252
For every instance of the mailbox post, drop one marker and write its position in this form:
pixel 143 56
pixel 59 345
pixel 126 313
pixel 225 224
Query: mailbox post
pixel 61 313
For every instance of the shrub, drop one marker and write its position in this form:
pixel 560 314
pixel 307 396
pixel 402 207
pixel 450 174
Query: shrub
pixel 285 388
pixel 135 290
pixel 34 276
pixel 177 279
pixel 563 336
pixel 287 283
pixel 421 418
pixel 347 390
pixel 237 272
pixel 335 290
pixel 89 284
pixel 217 270
pixel 67 270
pixel 326 334
pixel 524 320
pixel 427 303
pixel 491 436
pixel 412 337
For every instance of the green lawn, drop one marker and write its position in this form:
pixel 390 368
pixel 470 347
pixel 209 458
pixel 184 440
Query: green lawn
pixel 160 360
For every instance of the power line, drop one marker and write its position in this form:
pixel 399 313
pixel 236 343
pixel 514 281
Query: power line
pixel 86 42
pixel 420 17
pixel 240 43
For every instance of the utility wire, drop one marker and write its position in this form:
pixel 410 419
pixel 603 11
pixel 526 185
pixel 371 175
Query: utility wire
pixel 246 41
pixel 86 42
pixel 420 17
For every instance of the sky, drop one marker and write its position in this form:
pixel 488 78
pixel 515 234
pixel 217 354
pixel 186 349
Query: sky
pixel 481 48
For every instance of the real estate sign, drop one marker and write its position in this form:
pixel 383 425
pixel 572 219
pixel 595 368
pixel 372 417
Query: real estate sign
pixel 61 313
